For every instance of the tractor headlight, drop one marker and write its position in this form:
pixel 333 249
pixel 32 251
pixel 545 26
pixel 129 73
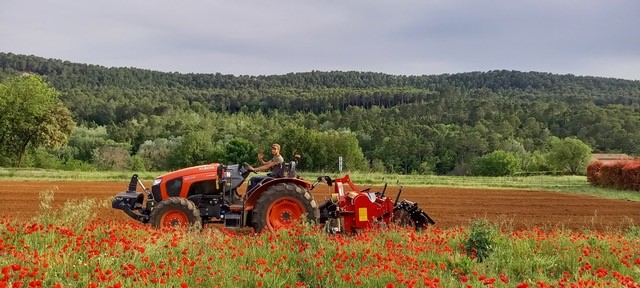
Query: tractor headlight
pixel 157 181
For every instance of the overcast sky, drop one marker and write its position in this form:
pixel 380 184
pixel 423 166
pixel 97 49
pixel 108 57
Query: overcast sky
pixel 581 37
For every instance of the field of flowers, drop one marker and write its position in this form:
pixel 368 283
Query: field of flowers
pixel 70 247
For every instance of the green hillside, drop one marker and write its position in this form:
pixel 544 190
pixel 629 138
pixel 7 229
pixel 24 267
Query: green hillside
pixel 401 124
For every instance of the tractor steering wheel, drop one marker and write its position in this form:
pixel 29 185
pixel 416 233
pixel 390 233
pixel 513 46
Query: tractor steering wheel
pixel 247 167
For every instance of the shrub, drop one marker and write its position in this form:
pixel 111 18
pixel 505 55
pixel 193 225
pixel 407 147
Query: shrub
pixel 194 148
pixel 111 158
pixel 536 162
pixel 631 175
pixel 594 173
pixel 77 165
pixel 136 163
pixel 239 150
pixel 611 175
pixel 156 154
pixel 496 163
pixel 427 168
pixel 480 242
pixel 41 158
pixel 377 166
pixel 619 175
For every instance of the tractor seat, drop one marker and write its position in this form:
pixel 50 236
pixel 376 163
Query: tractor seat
pixel 291 172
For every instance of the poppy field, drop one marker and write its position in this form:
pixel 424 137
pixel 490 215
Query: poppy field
pixel 76 244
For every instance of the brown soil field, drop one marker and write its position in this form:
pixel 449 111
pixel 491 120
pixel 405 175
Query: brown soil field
pixel 449 207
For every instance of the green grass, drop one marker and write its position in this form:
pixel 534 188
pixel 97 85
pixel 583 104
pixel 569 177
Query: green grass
pixel 79 252
pixel 59 175
pixel 568 184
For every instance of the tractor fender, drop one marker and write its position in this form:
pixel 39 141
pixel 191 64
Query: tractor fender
pixel 255 195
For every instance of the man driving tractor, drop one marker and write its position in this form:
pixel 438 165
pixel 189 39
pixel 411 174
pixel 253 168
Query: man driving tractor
pixel 275 164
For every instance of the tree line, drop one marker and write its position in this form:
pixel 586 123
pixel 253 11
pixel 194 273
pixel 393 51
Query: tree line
pixel 440 124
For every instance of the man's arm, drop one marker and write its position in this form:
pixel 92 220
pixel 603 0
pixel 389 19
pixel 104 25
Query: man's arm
pixel 266 166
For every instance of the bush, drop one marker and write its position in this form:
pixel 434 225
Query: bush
pixel 195 148
pixel 619 175
pixel 111 158
pixel 496 163
pixel 480 242
pixel 631 175
pixel 427 168
pixel 594 173
pixel 377 166
pixel 156 154
pixel 41 158
pixel 239 150
pixel 136 164
pixel 611 175
pixel 77 165
pixel 536 162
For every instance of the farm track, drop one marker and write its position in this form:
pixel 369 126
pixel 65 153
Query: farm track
pixel 449 207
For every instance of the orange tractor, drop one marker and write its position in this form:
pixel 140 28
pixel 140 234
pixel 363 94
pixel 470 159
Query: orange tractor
pixel 209 194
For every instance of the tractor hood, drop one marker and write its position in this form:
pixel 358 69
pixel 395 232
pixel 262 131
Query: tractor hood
pixel 211 169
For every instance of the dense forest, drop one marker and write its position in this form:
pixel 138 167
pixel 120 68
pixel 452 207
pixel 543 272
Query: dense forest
pixel 129 118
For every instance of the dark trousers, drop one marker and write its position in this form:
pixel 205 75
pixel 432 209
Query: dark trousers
pixel 254 181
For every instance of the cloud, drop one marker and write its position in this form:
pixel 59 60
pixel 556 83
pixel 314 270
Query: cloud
pixel 281 36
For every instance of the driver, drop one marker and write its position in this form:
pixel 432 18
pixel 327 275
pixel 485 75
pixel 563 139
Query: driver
pixel 275 164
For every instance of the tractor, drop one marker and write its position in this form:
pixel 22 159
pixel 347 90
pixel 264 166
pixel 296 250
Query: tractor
pixel 209 194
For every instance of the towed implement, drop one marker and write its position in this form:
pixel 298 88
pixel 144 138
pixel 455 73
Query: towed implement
pixel 351 209
pixel 209 194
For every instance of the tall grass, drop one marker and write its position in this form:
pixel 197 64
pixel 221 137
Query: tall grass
pixel 82 251
pixel 75 214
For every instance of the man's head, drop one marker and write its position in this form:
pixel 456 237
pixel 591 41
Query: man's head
pixel 275 149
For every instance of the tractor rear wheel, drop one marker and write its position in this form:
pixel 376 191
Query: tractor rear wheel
pixel 282 206
pixel 174 212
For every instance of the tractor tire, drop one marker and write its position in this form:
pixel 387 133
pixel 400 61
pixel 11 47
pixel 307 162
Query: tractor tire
pixel 283 205
pixel 175 211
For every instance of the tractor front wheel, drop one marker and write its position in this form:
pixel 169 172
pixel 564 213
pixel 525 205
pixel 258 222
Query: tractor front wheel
pixel 282 206
pixel 176 212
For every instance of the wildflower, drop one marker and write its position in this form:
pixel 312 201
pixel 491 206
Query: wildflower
pixel 489 281
pixel 504 278
pixel 261 261
pixel 601 272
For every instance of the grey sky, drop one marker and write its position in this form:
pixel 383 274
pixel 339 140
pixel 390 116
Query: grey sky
pixel 597 38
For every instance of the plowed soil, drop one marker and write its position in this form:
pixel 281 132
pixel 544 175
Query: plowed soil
pixel 449 207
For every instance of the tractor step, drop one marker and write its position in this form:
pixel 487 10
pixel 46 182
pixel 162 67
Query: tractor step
pixel 236 207
pixel 232 220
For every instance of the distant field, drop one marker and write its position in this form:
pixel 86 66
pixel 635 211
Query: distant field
pixel 569 184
